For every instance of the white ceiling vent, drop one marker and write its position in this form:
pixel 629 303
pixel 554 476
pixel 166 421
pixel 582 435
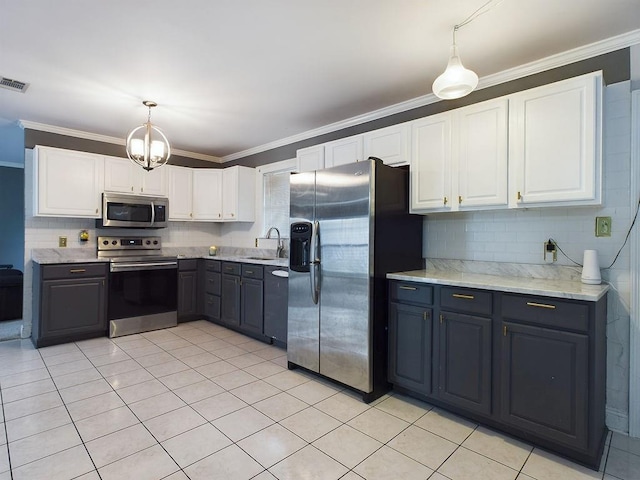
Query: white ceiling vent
pixel 14 85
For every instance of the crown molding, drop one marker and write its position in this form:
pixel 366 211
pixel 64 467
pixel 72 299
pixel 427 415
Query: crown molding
pixel 564 58
pixel 106 139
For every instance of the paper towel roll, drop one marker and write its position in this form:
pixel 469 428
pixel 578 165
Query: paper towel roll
pixel 591 268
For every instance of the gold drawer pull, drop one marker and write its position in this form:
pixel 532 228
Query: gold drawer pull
pixel 460 295
pixel 404 287
pixel 77 270
pixel 249 271
pixel 541 305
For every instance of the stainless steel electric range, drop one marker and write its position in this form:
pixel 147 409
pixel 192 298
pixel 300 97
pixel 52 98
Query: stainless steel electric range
pixel 143 284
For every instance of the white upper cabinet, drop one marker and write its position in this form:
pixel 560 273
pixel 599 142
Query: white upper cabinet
pixel 122 175
pixel 343 151
pixel 391 144
pixel 67 183
pixel 310 159
pixel 430 170
pixel 180 192
pixel 207 194
pixel 482 171
pixel 555 150
pixel 239 194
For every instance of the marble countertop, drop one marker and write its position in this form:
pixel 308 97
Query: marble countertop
pixel 549 287
pixel 46 256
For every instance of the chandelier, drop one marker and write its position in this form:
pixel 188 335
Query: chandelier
pixel 147 146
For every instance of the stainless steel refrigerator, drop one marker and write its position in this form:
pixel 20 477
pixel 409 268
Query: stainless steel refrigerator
pixel 349 227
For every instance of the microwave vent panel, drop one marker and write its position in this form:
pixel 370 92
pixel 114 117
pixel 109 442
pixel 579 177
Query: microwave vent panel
pixel 15 85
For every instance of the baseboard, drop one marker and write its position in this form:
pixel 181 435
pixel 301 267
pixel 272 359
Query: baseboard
pixel 617 420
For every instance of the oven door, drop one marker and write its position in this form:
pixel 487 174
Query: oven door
pixel 142 298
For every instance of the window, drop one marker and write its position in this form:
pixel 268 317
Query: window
pixel 275 194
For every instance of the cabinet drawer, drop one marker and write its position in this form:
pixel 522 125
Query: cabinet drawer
pixel 252 271
pixel 212 306
pixel 546 311
pixel 231 268
pixel 213 265
pixel 212 282
pixel 74 270
pixel 466 300
pixel 189 264
pixel 409 292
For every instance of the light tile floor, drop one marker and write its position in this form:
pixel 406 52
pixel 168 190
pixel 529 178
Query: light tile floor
pixel 202 402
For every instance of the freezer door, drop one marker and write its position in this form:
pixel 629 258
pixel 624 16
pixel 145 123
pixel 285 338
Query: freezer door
pixel 303 328
pixel 343 211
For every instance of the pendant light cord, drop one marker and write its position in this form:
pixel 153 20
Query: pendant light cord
pixel 490 5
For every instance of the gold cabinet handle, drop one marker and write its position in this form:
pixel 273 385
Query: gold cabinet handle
pixel 445 201
pixel 519 196
pixel 77 270
pixel 459 199
pixel 405 287
pixel 425 315
pixel 461 295
pixel 96 210
pixel 191 215
pixel 441 319
pixel 249 272
pixel 132 188
pixel 504 331
pixel 541 305
pixel 232 215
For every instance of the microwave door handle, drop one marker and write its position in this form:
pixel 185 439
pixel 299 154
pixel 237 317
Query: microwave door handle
pixel 153 214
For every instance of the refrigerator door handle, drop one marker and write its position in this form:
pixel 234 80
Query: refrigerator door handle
pixel 315 263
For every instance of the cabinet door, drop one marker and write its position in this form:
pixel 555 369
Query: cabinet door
pixel 180 193
pixel 276 294
pixel 555 147
pixel 410 336
pixel 465 361
pixel 230 300
pixel 545 382
pixel 153 182
pixel 310 158
pixel 187 294
pixel 120 176
pixel 238 194
pixel 391 144
pixel 482 156
pixel 72 307
pixel 207 194
pixel 252 309
pixel 343 151
pixel 67 183
pixel 430 169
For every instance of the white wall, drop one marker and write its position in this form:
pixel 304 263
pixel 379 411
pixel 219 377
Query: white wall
pixel 518 236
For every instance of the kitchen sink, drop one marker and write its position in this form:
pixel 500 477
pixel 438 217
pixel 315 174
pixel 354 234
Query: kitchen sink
pixel 262 258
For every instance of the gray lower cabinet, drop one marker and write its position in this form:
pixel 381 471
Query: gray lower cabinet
pixel 252 299
pixel 464 374
pixel 187 290
pixel 276 295
pixel 230 294
pixel 212 289
pixel 531 366
pixel 410 337
pixel 69 302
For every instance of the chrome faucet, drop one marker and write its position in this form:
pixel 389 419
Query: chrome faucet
pixel 280 246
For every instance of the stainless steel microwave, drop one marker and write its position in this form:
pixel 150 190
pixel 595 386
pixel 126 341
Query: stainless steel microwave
pixel 133 211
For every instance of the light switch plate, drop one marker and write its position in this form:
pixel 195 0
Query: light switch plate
pixel 62 241
pixel 603 226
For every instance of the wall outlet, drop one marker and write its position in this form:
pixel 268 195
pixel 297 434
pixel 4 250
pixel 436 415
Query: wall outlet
pixel 603 226
pixel 62 241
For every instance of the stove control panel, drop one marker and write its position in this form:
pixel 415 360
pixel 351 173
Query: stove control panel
pixel 129 243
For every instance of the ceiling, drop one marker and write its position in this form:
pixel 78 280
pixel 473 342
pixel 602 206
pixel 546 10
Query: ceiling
pixel 230 75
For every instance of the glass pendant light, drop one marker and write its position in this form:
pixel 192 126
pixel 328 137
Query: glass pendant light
pixel 147 146
pixel 456 81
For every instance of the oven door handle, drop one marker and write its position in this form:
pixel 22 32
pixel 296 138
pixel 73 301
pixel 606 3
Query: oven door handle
pixel 128 267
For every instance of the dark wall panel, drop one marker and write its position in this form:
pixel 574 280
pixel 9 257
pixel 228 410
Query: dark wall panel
pixel 37 137
pixel 616 67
